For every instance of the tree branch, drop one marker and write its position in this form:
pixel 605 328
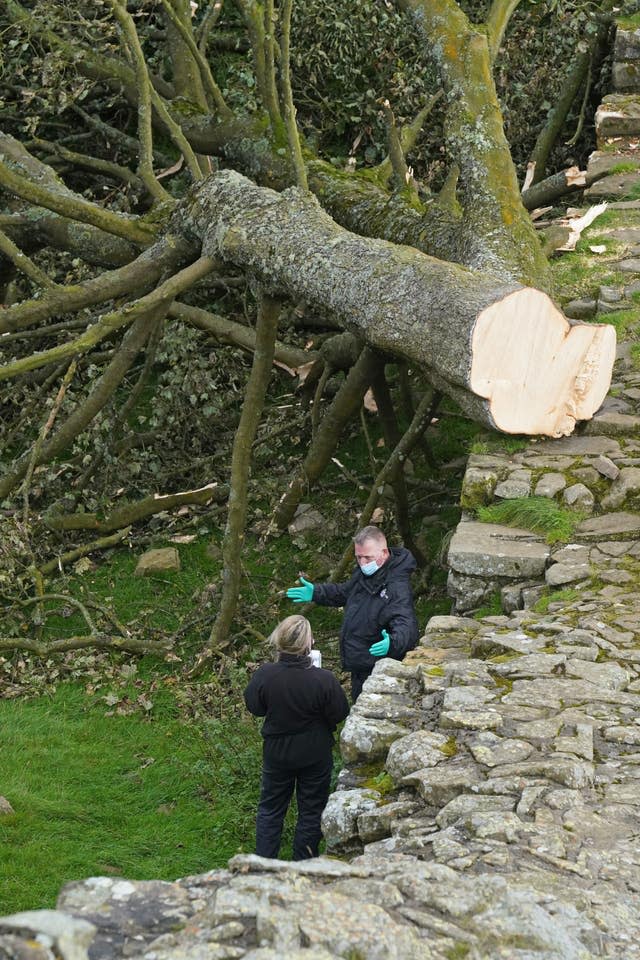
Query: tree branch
pixel 110 322
pixel 212 89
pixel 497 22
pixel 287 97
pixel 130 513
pixel 24 263
pixel 72 206
pixel 141 275
pixel 266 329
pixel 132 44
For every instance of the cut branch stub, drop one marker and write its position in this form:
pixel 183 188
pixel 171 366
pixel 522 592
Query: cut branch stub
pixel 502 351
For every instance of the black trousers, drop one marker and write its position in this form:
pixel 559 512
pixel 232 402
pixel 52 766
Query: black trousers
pixel 311 784
pixel 358 678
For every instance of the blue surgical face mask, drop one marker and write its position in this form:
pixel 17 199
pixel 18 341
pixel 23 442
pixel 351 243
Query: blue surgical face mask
pixel 369 568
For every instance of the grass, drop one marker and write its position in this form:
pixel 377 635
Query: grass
pixel 492 608
pixel 542 605
pixel 120 796
pixel 170 790
pixel 538 514
pixel 499 443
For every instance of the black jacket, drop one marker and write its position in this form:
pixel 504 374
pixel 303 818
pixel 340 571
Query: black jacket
pixel 371 603
pixel 301 704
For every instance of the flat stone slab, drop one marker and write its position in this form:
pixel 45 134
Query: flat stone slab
pixel 618 424
pixel 591 446
pixel 491 550
pixel 610 526
pixel 602 161
pixel 618 116
pixel 615 185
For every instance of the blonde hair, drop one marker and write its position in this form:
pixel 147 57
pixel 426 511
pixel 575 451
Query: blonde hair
pixel 293 635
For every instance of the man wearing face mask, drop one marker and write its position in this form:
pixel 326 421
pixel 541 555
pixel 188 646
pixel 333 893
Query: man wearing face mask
pixel 379 617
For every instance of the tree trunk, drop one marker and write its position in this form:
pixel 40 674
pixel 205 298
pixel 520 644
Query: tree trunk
pixel 504 352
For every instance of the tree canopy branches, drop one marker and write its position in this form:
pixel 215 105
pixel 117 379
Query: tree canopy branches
pixel 158 187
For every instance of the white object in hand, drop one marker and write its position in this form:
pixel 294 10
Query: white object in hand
pixel 316 658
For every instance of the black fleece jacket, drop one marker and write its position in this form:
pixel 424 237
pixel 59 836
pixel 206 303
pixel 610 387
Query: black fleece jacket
pixel 301 704
pixel 384 600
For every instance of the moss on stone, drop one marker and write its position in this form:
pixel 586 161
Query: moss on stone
pixel 450 748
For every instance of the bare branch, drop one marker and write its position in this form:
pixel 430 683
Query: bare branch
pixel 74 207
pixel 266 329
pixel 131 513
pixel 211 87
pixel 51 566
pixel 136 277
pixel 287 97
pixel 113 321
pixel 497 22
pixel 24 263
pixel 132 44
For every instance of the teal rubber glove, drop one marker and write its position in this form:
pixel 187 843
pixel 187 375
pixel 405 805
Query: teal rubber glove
pixel 301 594
pixel 381 648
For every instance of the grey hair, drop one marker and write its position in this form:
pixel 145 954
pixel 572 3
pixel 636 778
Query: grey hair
pixel 370 533
pixel 293 635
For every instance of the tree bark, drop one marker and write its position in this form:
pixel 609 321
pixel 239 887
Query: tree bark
pixel 504 352
pixel 266 329
pixel 130 513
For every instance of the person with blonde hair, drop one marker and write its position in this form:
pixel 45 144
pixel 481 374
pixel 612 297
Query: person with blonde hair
pixel 302 706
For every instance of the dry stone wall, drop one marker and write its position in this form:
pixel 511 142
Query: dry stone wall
pixel 489 805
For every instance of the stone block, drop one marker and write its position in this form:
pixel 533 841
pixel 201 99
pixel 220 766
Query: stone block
pixel 161 560
pixel 627 44
pixel 578 497
pixel 549 485
pixel 415 752
pixel 365 740
pixel 580 309
pixel 340 817
pixel 624 491
pixel 617 116
pixel 490 550
pixel 478 486
pixel 610 526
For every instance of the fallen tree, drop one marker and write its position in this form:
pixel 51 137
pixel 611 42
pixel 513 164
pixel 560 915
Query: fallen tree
pixel 505 353
pixel 114 254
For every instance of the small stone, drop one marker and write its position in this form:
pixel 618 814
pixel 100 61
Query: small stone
pixel 561 573
pixel 512 489
pixel 306 520
pixel 610 294
pixel 606 467
pixel 580 309
pixel 162 560
pixel 579 497
pixel 549 485
pixel 414 752
pixel 625 490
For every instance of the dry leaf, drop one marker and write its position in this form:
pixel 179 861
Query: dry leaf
pixel 378 515
pixel 369 402
pixel 83 565
pixel 598 248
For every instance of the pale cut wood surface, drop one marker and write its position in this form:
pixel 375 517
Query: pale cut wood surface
pixel 539 373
